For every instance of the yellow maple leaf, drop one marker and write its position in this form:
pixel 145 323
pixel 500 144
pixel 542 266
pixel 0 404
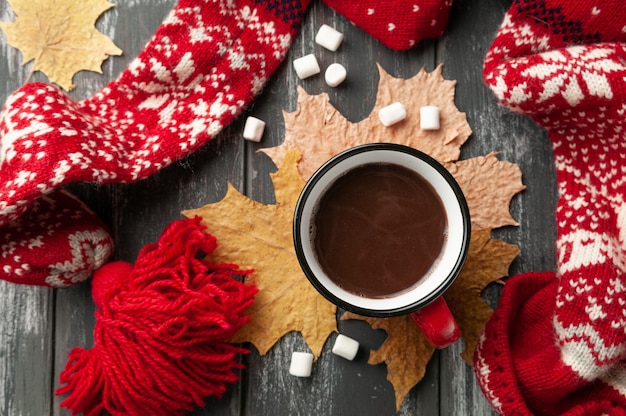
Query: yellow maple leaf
pixel 60 37
pixel 406 352
pixel 259 236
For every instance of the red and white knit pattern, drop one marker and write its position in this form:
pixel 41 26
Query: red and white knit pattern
pixel 568 92
pixel 203 66
pixel 564 64
pixel 58 242
pixel 400 24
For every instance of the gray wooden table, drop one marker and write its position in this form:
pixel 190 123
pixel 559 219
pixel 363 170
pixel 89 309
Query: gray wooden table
pixel 38 326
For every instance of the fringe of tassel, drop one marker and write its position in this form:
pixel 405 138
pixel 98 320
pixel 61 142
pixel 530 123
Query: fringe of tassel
pixel 161 329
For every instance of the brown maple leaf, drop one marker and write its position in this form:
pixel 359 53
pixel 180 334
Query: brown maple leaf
pixel 320 131
pixel 406 352
pixel 60 37
pixel 258 236
pixel 489 185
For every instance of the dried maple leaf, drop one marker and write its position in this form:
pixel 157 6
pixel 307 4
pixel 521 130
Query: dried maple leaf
pixel 60 37
pixel 259 236
pixel 489 185
pixel 320 131
pixel 406 351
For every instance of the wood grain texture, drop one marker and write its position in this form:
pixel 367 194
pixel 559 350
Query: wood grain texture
pixel 40 326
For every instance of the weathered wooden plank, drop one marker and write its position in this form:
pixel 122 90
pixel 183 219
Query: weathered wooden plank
pixel 27 323
pixel 138 212
pixel 26 330
pixel 471 29
pixel 337 386
pixel 74 322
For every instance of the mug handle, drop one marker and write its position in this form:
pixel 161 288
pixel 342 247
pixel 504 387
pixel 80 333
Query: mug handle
pixel 437 323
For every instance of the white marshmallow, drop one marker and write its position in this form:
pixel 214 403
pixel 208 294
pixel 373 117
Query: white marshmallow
pixel 429 117
pixel 306 66
pixel 329 38
pixel 253 129
pixel 335 74
pixel 301 364
pixel 392 114
pixel 345 347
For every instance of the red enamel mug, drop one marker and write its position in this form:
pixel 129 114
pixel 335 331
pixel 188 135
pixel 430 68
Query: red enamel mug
pixel 324 244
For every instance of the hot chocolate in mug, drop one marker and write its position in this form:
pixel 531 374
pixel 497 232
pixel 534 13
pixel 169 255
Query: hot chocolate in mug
pixel 383 230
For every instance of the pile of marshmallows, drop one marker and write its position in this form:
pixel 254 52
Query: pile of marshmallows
pixel 307 66
pixel 335 74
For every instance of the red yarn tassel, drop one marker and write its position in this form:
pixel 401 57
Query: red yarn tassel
pixel 159 338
